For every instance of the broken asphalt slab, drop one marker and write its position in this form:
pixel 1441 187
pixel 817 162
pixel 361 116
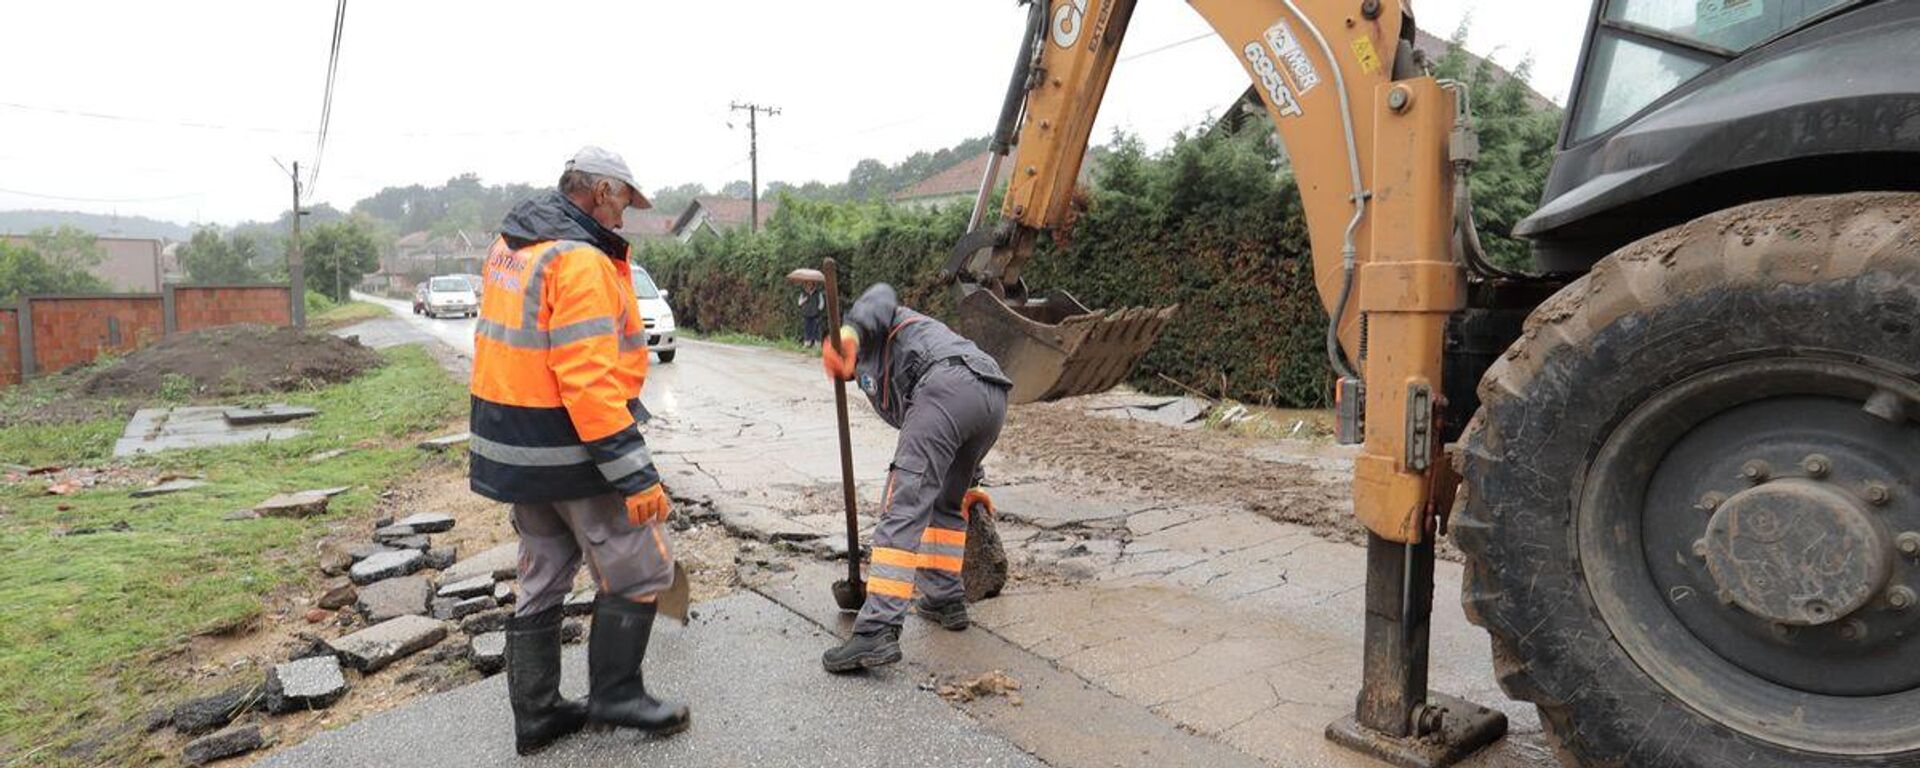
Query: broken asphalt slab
pixel 750 671
pixel 372 649
pixel 500 562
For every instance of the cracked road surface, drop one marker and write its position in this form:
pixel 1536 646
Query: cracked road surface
pixel 1178 597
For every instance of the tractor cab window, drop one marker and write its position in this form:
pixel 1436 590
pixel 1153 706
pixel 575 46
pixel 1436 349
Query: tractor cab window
pixel 1644 49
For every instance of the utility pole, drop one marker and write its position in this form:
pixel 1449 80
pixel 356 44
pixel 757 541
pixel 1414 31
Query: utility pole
pixel 753 155
pixel 296 264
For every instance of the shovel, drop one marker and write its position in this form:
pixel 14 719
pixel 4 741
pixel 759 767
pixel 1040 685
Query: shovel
pixel 849 593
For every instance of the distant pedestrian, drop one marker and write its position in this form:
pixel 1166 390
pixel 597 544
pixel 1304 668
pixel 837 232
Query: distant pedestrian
pixel 812 314
pixel 560 355
pixel 948 399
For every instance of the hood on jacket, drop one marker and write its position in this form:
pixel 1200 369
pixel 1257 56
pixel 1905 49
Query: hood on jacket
pixel 554 217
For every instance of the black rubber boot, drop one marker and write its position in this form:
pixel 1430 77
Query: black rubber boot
pixel 950 616
pixel 540 715
pixel 865 650
pixel 615 653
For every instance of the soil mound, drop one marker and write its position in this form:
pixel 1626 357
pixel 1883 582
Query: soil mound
pixel 234 360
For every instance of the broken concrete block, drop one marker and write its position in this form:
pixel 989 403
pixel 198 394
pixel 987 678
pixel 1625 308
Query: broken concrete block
pixel 501 562
pixel 386 565
pixel 225 744
pixel 579 603
pixel 427 522
pixel 207 713
pixel 391 532
pixel 373 648
pixel 417 541
pixel 446 442
pixel 403 596
pixel 764 524
pixel 361 552
pixel 171 486
pixel 442 608
pixel 486 621
pixel 310 683
pixel 452 609
pixel 474 587
pixel 272 414
pixel 503 593
pixel 488 652
pixel 301 504
pixel 440 558
pixel 339 594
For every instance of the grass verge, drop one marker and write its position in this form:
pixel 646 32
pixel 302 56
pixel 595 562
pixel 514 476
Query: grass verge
pixel 84 620
pixel 746 340
pixel 346 314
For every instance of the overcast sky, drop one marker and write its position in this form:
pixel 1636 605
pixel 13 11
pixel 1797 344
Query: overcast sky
pixel 193 100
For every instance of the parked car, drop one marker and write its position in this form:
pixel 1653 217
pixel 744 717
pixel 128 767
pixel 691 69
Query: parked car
pixel 420 298
pixel 450 295
pixel 477 282
pixel 655 313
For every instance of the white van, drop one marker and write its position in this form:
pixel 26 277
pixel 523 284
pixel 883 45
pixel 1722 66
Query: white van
pixel 656 314
pixel 450 295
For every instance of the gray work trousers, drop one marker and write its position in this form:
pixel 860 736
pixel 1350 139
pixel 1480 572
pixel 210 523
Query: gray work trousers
pixel 954 420
pixel 626 560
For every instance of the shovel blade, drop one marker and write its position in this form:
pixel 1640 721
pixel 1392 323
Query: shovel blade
pixel 849 595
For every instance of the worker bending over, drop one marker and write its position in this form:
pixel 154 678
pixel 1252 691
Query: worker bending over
pixel 948 399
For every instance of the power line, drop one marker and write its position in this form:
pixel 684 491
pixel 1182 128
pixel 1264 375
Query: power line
pixel 326 101
pixel 1167 47
pixel 271 130
pixel 72 199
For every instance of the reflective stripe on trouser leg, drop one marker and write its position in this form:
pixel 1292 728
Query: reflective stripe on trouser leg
pixel 627 560
pixel 904 513
pixel 942 553
pixel 549 557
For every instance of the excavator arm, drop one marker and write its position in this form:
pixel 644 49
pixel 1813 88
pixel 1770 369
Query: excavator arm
pixel 1376 148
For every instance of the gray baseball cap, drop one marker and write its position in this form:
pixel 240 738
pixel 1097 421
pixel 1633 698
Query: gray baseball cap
pixel 600 162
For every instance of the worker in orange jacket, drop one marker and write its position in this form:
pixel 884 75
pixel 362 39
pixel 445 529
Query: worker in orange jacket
pixel 560 354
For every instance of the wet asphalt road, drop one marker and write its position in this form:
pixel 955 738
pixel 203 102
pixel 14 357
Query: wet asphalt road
pixel 750 671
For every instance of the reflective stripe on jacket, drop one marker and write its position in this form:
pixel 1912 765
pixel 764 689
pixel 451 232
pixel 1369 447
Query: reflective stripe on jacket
pixel 560 354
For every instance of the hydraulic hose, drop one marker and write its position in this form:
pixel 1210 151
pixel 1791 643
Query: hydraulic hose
pixel 1348 253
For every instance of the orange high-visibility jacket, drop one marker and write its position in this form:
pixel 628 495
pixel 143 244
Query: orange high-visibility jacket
pixel 560 354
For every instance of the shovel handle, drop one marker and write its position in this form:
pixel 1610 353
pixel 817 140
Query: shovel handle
pixel 831 271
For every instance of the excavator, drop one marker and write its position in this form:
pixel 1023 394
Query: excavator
pixel 1682 445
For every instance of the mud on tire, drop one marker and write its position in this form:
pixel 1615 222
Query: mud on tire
pixel 1807 278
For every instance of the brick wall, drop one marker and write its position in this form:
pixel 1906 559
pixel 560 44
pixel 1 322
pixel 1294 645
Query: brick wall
pixel 9 347
pixel 70 331
pixel 197 307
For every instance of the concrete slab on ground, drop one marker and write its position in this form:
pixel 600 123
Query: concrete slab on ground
pixel 153 430
pixel 749 669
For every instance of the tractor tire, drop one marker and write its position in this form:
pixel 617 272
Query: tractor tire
pixel 1692 493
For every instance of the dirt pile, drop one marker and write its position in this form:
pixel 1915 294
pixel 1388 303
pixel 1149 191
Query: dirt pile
pixel 994 683
pixel 233 360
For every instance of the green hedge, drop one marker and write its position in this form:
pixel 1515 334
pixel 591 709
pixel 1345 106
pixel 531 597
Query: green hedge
pixel 1208 224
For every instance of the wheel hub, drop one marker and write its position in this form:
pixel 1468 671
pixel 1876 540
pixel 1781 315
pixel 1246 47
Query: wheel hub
pixel 1798 551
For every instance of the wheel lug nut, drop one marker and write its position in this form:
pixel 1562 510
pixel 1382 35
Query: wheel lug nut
pixel 1712 500
pixel 1909 543
pixel 1817 465
pixel 1878 495
pixel 1755 471
pixel 1900 598
pixel 1854 629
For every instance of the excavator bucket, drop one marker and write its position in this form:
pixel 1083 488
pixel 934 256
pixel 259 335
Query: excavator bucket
pixel 1054 347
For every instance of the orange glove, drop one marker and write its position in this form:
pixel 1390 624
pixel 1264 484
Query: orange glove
pixel 648 506
pixel 839 354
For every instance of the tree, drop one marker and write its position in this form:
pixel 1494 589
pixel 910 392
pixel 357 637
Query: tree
pixel 675 199
pixel 738 189
pixel 24 270
pixel 1517 135
pixel 338 254
pixel 67 245
pixel 211 260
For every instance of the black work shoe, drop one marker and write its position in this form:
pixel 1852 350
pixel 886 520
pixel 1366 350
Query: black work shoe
pixel 618 692
pixel 950 616
pixel 865 650
pixel 540 715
